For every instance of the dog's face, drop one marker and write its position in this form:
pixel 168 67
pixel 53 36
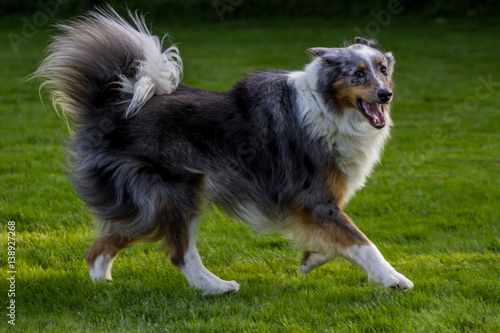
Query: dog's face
pixel 357 78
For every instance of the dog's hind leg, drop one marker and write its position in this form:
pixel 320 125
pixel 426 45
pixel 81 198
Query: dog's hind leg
pixel 181 213
pixel 100 256
pixel 195 272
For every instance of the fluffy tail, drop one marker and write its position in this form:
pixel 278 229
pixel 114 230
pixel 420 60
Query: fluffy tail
pixel 102 50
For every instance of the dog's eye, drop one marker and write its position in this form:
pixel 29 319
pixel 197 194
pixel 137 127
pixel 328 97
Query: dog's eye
pixel 383 69
pixel 359 74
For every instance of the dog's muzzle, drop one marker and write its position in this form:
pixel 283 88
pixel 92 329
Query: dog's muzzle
pixel 374 112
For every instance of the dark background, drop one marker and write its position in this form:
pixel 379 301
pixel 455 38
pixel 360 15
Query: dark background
pixel 207 10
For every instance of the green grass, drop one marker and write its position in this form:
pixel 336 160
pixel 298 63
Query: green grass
pixel 431 206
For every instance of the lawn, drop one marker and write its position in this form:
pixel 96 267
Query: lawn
pixel 431 206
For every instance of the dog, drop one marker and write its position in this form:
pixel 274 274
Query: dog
pixel 282 151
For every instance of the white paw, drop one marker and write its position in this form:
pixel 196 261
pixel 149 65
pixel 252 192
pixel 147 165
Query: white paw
pixel 222 287
pixel 101 269
pixel 312 260
pixel 304 268
pixel 395 281
pixel 369 258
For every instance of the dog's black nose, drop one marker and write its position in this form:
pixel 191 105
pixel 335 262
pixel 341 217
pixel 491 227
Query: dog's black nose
pixel 384 95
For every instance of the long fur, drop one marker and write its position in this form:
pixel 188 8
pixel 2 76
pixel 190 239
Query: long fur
pixel 283 151
pixel 103 49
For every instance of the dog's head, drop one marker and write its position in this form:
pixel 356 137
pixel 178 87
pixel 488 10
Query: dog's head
pixel 357 77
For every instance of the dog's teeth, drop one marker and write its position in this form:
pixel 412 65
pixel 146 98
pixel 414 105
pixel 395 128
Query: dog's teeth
pixel 375 121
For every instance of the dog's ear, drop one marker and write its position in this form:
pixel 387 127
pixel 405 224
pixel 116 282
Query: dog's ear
pixel 328 55
pixel 332 61
pixel 390 58
pixel 368 42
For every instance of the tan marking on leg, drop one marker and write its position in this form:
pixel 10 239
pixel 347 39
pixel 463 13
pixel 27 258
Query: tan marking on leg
pixel 323 235
pixel 107 245
pixel 336 181
pixel 178 235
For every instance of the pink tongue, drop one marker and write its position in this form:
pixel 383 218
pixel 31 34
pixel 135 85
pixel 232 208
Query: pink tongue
pixel 374 110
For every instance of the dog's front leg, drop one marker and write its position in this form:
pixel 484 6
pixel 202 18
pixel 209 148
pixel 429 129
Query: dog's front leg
pixel 329 231
pixel 369 258
pixel 312 260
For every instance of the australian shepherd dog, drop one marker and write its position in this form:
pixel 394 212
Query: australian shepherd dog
pixel 282 151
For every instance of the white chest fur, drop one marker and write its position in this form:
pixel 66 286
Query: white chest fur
pixel 357 144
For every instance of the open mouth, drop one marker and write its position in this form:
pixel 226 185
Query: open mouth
pixel 374 112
